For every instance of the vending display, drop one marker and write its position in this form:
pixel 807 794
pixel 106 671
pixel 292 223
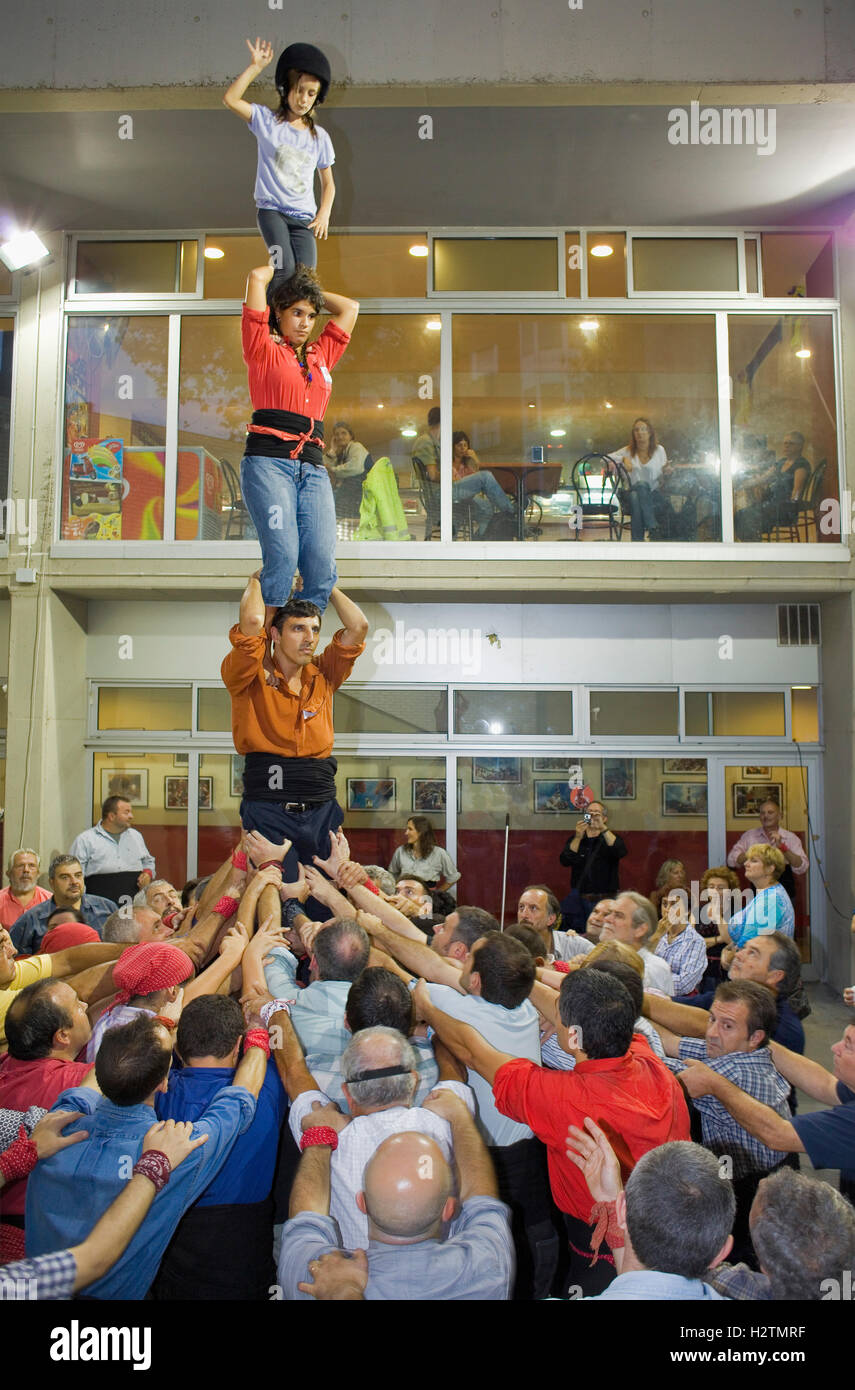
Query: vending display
pixel 95 489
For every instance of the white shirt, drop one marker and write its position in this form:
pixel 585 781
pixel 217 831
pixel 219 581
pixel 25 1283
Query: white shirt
pixel 516 1031
pixel 649 472
pixel 357 1142
pixel 657 973
pixel 566 945
pixel 99 852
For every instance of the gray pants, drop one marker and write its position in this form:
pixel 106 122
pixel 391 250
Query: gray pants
pixel 289 242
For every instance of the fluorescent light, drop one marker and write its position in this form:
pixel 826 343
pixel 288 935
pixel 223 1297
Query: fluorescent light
pixel 496 728
pixel 531 405
pixel 557 434
pixel 418 250
pixel 434 325
pixel 801 687
pixel 22 250
pixel 589 325
pixel 608 405
pixel 380 405
pixel 602 250
pixel 214 253
pixel 409 433
pixel 803 352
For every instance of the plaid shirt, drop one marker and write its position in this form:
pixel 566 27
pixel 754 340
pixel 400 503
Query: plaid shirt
pixel 740 1283
pixel 44 1277
pixel 756 1074
pixel 687 957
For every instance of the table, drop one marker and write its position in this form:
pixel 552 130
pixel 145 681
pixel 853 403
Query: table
pixel 526 479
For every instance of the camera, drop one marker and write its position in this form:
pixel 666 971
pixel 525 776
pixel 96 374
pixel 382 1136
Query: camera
pixel 587 817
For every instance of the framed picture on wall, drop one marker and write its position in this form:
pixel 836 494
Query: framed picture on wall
pixel 429 795
pixel 618 779
pixel 130 784
pixel 496 770
pixel 181 760
pixel 371 794
pixel 748 797
pixel 684 798
pixel 238 761
pixel 552 798
pixel 753 771
pixel 552 764
pixel 685 766
pixel 176 793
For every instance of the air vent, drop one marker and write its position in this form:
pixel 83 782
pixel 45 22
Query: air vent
pixel 798 624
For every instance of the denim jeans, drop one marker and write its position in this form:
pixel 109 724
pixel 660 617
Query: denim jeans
pixel 476 486
pixel 644 509
pixel 289 241
pixel 292 508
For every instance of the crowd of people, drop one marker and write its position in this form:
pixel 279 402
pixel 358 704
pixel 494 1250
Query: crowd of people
pixel 330 1081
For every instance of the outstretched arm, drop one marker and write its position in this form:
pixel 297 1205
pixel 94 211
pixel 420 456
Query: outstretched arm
pixel 678 1018
pixel 759 1119
pixel 465 1042
pixel 418 958
pixel 261 53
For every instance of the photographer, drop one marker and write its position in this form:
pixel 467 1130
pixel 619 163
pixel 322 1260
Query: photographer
pixel 592 856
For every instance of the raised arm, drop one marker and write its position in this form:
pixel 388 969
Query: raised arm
pixel 465 1042
pixel 343 312
pixel 350 615
pixel 474 1164
pixel 78 958
pixel 251 617
pixel 679 1018
pixel 807 1075
pixel 418 958
pixel 261 53
pixel 760 1120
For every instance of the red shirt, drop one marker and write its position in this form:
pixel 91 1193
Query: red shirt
pixel 11 908
pixel 276 379
pixel 634 1098
pixel 23 1084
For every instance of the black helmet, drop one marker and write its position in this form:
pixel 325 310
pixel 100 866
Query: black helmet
pixel 304 57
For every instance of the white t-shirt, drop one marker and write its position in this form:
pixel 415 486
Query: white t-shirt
pixel 654 975
pixel 516 1031
pixel 287 159
pixel 649 472
pixel 566 945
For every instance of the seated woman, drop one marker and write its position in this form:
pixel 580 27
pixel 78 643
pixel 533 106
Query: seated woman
pixel 678 942
pixel 719 889
pixel 645 462
pixel 422 856
pixel 783 484
pixel 672 874
pixel 770 909
pixel 476 485
pixel 345 459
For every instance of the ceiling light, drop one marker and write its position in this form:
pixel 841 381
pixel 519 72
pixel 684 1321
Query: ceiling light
pixel 602 250
pixel 496 728
pixel 608 405
pixel 801 687
pixel 557 434
pixel 418 250
pixel 409 433
pixel 531 405
pixel 803 352
pixel 214 253
pixel 23 250
pixel 434 325
pixel 379 405
pixel 589 325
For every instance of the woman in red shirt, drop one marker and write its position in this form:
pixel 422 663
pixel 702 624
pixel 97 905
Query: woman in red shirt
pixel 284 483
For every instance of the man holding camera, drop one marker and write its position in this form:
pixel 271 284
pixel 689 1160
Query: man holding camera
pixel 592 855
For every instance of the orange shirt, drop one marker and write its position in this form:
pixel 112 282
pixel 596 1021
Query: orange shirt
pixel 271 719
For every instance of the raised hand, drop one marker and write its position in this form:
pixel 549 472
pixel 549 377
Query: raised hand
pixel 261 51
pixel 594 1155
pixel 260 849
pixel 339 854
pixel 233 945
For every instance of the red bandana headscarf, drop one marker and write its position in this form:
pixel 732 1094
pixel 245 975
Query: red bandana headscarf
pixel 151 966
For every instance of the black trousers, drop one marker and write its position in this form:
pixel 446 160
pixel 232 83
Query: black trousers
pixel 523 1177
pixel 219 1252
pixel 308 831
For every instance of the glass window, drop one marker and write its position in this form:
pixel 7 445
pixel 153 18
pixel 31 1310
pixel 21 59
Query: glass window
pixel 607 265
pixel 746 788
pixel 213 409
pixel 213 710
pixel 574 384
pixel 494 265
pixel 227 263
pixel 400 711
pixel 622 713
pixel 797 263
pixel 7 336
pixel 135 267
pixel 690 264
pixel 735 714
pixel 115 428
pixel 220 792
pixel 500 713
pixel 378 796
pixel 752 279
pixel 573 267
pixel 373 266
pixel 658 808
pixel 804 714
pixel 144 707
pixel 784 428
pixel 156 787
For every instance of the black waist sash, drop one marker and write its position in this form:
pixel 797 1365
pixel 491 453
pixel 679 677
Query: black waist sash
pixel 267 777
pixel 295 427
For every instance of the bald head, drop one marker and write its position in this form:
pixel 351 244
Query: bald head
pixel 407 1189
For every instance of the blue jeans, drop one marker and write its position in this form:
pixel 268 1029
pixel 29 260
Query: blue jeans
pixel 645 507
pixel 288 241
pixel 476 486
pixel 308 831
pixel 292 508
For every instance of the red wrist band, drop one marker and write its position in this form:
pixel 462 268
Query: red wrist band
pixel 168 1023
pixel 371 886
pixel 272 864
pixel 155 1165
pixel 21 1157
pixel 257 1037
pixel 168 918
pixel 239 859
pixel 562 966
pixel 227 907
pixel 317 1135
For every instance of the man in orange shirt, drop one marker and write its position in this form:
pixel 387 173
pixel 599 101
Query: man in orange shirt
pixel 23 891
pixel 285 728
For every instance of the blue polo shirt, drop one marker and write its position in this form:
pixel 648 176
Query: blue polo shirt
pixel 828 1137
pixel 68 1193
pixel 247 1174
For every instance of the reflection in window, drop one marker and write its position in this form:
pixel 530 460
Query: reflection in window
pixel 784 429
pixel 804 712
pixel 227 263
pixel 735 714
pixel 374 266
pixel 213 710
pixel 626 712
pixel 696 265
pixel 502 713
pixel 402 711
pixel 574 384
pixel 495 265
pixel 135 267
pixel 799 264
pixel 213 408
pixel 115 428
pixel 607 265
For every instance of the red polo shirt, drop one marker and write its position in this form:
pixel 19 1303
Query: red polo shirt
pixel 635 1099
pixel 23 1084
pixel 276 379
pixel 11 907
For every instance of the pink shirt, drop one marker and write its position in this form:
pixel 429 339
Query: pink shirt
pixel 758 836
pixel 11 909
